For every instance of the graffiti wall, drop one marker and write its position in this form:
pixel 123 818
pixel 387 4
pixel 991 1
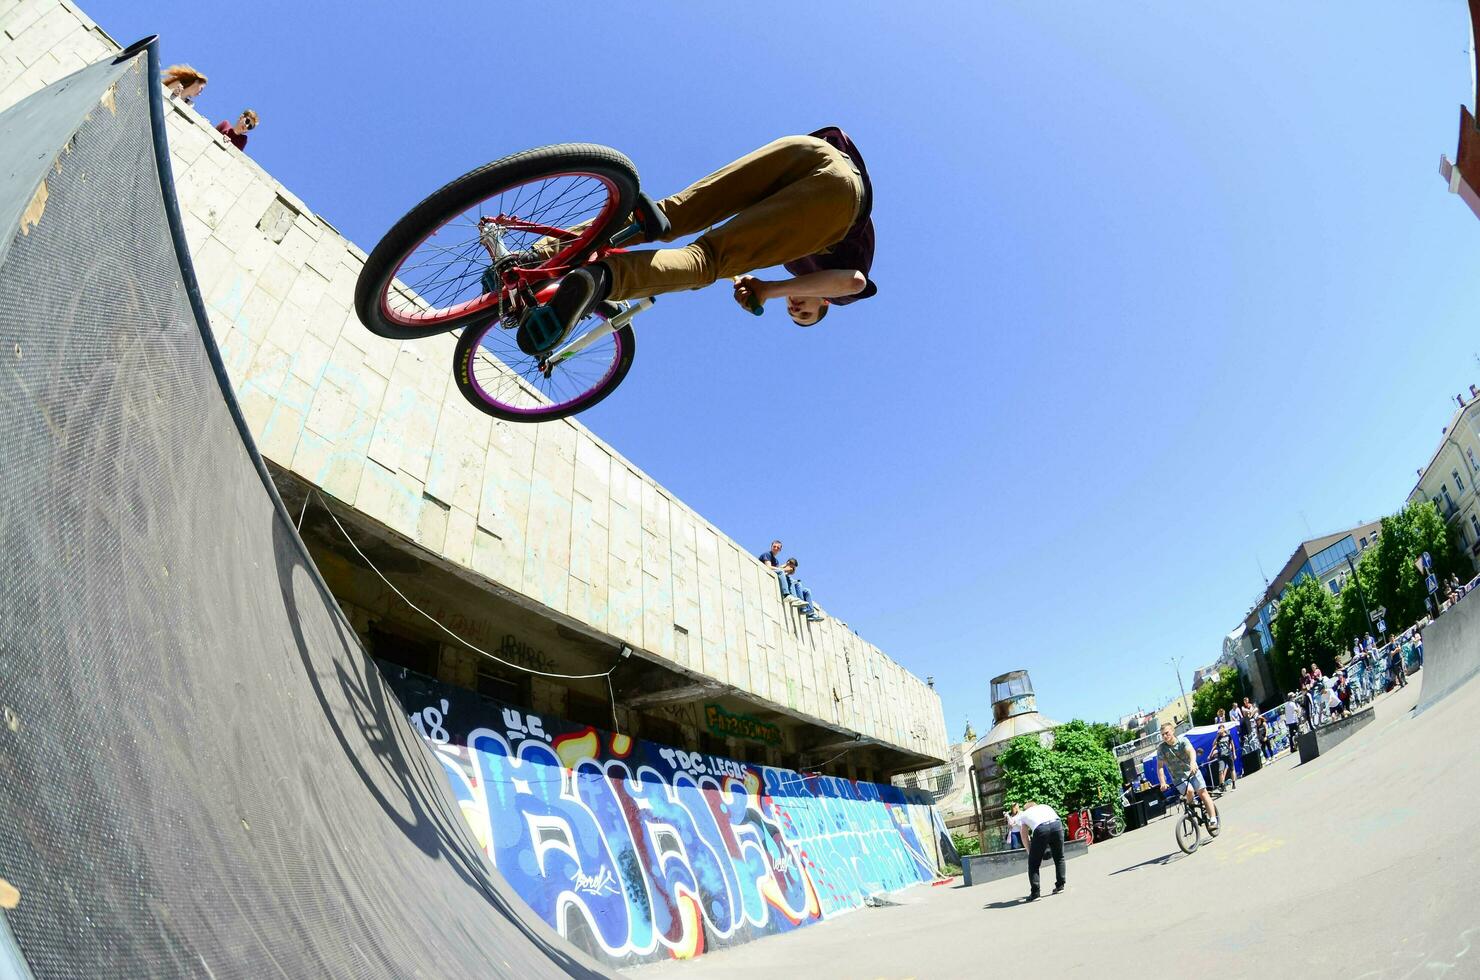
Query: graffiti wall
pixel 637 851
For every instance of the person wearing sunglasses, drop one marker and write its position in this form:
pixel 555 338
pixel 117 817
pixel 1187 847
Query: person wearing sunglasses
pixel 236 133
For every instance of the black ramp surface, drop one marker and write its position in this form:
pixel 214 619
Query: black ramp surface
pixel 201 772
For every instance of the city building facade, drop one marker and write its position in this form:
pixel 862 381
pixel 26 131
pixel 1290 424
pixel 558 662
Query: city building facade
pixel 1451 480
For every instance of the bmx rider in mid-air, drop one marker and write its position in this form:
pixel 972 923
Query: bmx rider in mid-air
pixel 803 202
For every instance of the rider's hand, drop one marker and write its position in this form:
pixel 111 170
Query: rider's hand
pixel 1164 787
pixel 750 292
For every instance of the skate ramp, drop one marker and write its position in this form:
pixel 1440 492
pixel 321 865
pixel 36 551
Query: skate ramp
pixel 1451 652
pixel 201 771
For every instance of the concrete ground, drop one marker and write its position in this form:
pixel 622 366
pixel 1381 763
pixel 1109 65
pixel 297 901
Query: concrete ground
pixel 1360 864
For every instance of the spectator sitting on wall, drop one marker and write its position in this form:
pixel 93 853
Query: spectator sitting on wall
pixel 184 83
pixel 1221 717
pixel 236 133
pixel 770 557
pixel 794 592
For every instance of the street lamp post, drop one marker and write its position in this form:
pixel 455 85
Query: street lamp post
pixel 1177 666
pixel 1360 594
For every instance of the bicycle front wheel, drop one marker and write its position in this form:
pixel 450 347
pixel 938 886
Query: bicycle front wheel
pixel 1188 833
pixel 438 268
pixel 497 378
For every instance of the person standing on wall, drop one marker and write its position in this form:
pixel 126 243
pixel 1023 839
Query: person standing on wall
pixel 1042 830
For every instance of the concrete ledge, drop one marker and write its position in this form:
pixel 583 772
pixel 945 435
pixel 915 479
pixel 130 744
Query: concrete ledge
pixel 1332 734
pixel 980 868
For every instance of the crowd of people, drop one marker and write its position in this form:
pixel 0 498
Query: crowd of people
pixel 793 592
pixel 186 84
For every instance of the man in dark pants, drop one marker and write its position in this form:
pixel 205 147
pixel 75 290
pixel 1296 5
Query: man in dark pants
pixel 1040 826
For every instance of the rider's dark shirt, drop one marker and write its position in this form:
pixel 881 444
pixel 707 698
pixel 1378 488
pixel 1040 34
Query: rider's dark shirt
pixel 855 252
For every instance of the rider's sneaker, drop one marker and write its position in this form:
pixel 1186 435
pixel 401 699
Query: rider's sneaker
pixel 544 327
pixel 1212 823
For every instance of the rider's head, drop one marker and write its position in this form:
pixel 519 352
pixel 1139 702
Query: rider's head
pixel 806 311
pixel 1167 731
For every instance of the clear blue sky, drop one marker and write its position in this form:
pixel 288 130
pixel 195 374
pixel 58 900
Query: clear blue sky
pixel 1164 288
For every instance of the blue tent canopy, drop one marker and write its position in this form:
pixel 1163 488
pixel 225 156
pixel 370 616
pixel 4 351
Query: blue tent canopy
pixel 1202 741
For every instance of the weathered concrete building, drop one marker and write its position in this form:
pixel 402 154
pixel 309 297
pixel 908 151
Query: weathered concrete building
pixel 540 545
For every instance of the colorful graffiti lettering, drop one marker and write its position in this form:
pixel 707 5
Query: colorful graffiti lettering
pixel 639 852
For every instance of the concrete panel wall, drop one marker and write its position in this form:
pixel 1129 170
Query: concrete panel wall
pixel 548 511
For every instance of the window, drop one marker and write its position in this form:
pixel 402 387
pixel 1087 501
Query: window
pixel 583 709
pixel 1335 586
pixel 503 684
pixel 1364 543
pixel 1475 523
pixel 1475 466
pixel 420 656
pixel 1460 484
pixel 663 730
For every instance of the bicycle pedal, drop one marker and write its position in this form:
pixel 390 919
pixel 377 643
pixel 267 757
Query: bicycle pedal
pixel 536 327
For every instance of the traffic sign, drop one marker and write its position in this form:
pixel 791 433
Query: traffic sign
pixel 1432 581
pixel 1428 563
pixel 1382 626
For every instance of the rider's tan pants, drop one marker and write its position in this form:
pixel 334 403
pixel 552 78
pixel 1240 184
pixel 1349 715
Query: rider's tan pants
pixel 791 198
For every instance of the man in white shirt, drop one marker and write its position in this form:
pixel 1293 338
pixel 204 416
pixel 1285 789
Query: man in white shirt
pixel 1292 721
pixel 1041 829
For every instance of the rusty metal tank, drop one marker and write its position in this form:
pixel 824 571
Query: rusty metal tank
pixel 1014 712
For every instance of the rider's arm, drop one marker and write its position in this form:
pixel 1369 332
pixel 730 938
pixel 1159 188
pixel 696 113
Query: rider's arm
pixel 825 283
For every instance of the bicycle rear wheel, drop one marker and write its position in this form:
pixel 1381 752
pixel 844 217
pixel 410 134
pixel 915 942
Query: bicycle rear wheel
pixel 434 270
pixel 497 378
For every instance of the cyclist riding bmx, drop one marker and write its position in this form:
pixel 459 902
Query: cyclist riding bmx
pixel 1177 757
pixel 801 201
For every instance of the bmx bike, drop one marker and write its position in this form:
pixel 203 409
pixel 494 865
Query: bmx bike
pixel 486 251
pixel 1194 821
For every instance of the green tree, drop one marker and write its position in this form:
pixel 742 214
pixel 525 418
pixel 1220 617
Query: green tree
pixel 1075 771
pixel 1305 632
pixel 1219 692
pixel 1110 736
pixel 1396 581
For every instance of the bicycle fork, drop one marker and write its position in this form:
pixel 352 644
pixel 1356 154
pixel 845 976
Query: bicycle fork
pixel 629 310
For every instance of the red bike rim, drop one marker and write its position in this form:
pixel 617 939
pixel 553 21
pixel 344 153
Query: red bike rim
pixel 562 209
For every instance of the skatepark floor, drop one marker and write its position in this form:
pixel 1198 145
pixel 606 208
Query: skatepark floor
pixel 1359 864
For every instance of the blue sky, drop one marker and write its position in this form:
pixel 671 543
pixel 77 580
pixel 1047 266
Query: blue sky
pixel 1164 289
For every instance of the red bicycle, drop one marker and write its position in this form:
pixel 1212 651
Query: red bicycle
pixel 485 253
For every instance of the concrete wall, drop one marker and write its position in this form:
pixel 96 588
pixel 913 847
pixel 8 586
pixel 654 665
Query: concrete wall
pixel 638 852
pixel 548 511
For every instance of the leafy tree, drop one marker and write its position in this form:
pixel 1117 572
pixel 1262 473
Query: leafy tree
pixel 1305 632
pixel 1076 771
pixel 1219 692
pixel 1110 736
pixel 1396 581
pixel 966 844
